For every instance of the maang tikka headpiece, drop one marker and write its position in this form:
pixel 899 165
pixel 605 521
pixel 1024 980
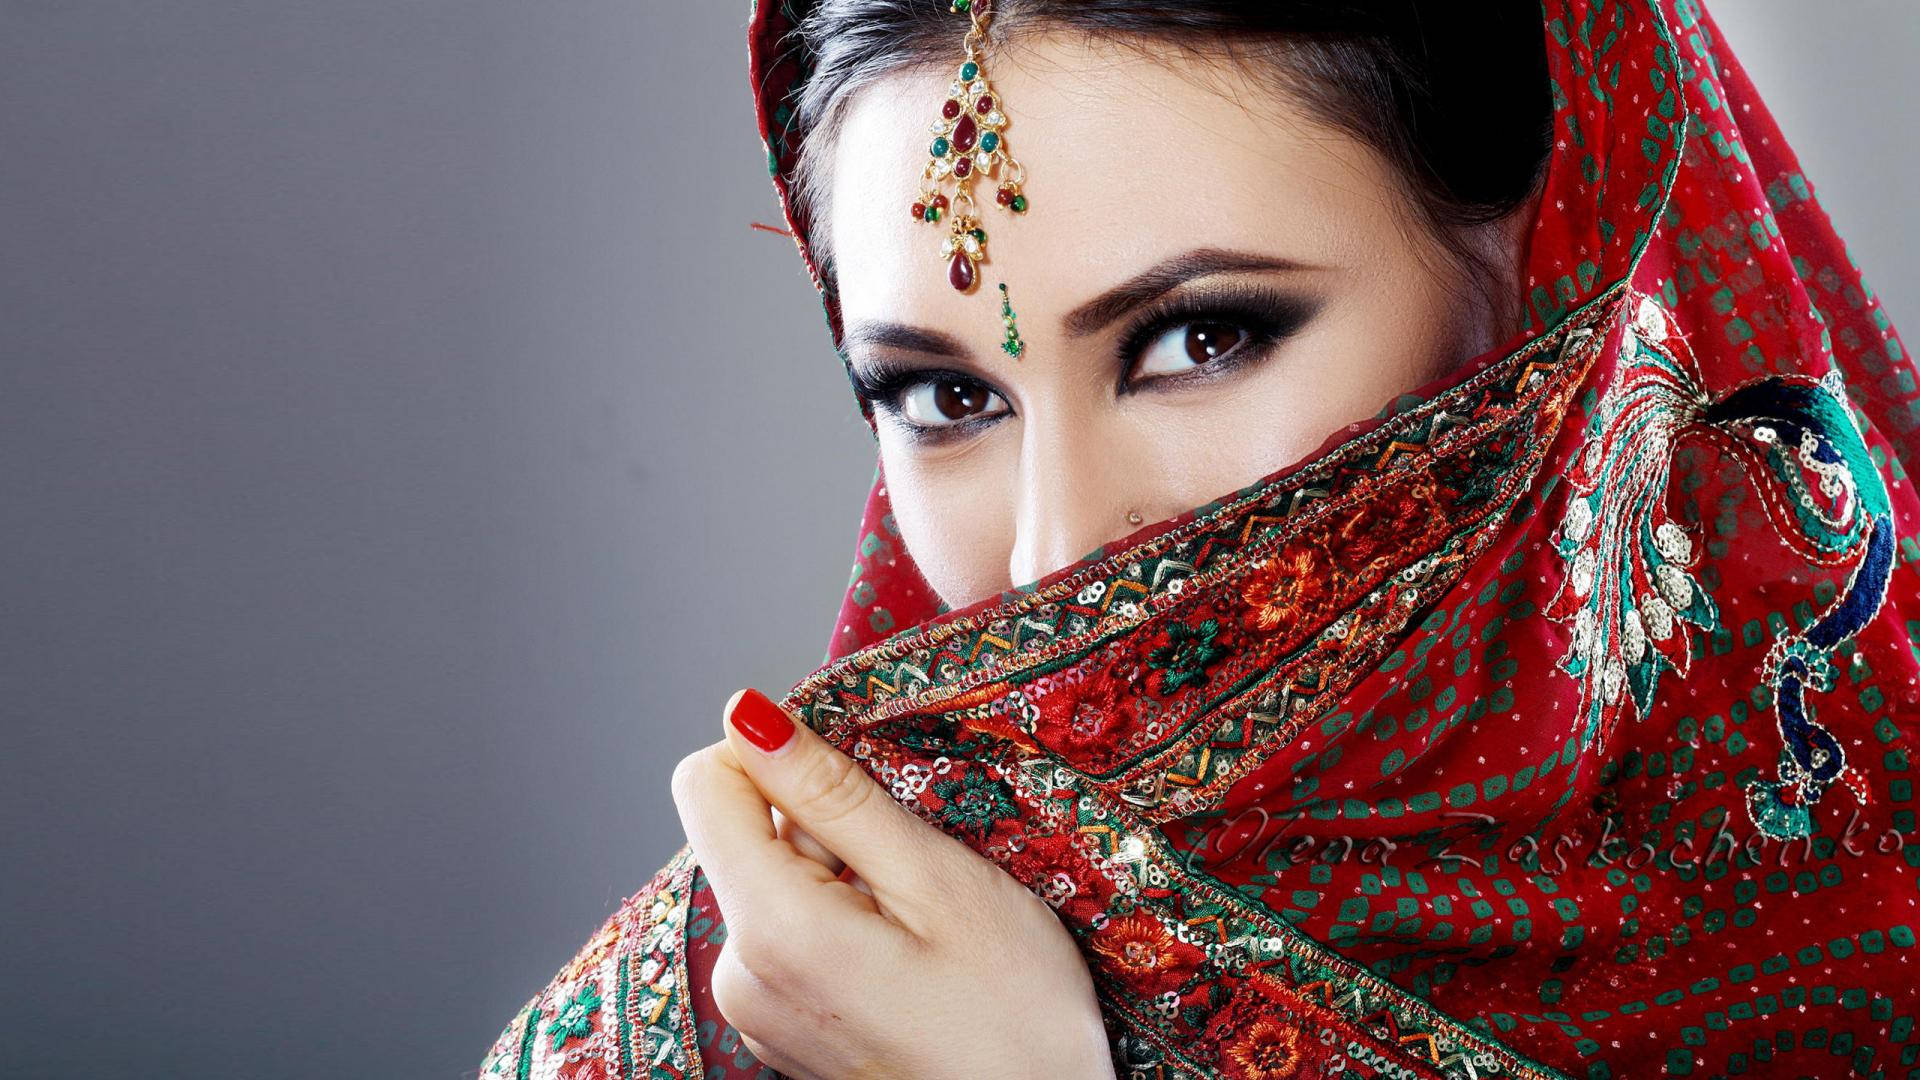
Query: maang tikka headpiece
pixel 968 145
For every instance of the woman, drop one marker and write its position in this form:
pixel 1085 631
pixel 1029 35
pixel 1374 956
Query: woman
pixel 1533 708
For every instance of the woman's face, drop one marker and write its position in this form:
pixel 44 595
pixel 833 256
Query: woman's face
pixel 1208 283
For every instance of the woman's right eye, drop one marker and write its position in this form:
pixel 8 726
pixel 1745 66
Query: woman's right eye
pixel 945 402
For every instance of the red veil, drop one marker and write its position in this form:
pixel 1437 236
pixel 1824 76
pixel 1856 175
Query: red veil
pixel 1549 724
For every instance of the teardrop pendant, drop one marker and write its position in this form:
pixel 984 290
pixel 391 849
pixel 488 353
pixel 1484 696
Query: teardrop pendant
pixel 968 145
pixel 960 271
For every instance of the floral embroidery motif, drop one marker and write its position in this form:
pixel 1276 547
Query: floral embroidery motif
pixel 1414 515
pixel 1082 720
pixel 1189 650
pixel 1153 959
pixel 1266 1049
pixel 1293 588
pixel 974 802
pixel 575 1019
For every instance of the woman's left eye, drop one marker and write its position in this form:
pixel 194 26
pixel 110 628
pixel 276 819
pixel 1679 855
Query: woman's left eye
pixel 1189 345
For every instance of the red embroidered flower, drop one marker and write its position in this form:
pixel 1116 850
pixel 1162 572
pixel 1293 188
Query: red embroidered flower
pixel 1086 721
pixel 1267 1048
pixel 1058 872
pixel 1403 519
pixel 1294 587
pixel 1146 955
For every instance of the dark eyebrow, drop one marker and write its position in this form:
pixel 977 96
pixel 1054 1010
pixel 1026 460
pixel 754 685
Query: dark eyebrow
pixel 1089 317
pixel 902 336
pixel 1161 278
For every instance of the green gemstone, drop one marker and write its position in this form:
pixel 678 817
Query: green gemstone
pixel 968 70
pixel 961 6
pixel 1019 204
pixel 940 146
pixel 989 141
pixel 1012 346
pixel 933 213
pixel 979 234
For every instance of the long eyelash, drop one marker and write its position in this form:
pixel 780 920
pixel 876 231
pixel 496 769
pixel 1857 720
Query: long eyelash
pixel 882 383
pixel 1268 315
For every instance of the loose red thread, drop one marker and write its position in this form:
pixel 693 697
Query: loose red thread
pixel 771 229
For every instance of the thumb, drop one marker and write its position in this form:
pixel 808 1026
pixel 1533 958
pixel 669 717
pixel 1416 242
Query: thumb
pixel 829 795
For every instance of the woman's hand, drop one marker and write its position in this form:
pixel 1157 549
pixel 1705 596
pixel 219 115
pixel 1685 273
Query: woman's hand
pixel 931 962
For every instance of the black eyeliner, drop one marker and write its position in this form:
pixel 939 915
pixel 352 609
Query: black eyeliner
pixel 882 383
pixel 1269 316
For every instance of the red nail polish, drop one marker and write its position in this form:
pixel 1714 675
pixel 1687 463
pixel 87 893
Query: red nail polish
pixel 765 724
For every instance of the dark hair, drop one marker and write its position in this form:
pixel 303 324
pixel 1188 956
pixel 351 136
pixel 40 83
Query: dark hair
pixel 1453 93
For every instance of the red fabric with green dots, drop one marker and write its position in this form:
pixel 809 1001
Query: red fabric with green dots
pixel 1424 757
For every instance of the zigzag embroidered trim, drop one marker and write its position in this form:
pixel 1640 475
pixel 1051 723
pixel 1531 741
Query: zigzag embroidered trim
pixel 1629 591
pixel 960 718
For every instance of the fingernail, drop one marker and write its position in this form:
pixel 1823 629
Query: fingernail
pixel 765 724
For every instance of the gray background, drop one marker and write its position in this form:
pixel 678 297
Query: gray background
pixel 407 448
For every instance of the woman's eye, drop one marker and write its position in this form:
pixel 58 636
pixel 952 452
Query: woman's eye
pixel 945 402
pixel 1189 345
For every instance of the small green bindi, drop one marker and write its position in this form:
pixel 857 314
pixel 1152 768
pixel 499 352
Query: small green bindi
pixel 1012 345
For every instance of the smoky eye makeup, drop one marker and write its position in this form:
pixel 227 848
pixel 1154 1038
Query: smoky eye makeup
pixel 1200 334
pixel 1207 332
pixel 931 404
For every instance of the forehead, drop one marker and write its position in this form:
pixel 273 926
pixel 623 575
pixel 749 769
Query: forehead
pixel 1129 160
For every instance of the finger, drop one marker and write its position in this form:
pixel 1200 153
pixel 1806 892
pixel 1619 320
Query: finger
pixel 758 879
pixel 832 797
pixel 803 842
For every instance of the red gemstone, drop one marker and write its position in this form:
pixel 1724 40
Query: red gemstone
pixel 964 134
pixel 1004 196
pixel 940 200
pixel 919 211
pixel 951 109
pixel 962 167
pixel 960 271
pixel 984 105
